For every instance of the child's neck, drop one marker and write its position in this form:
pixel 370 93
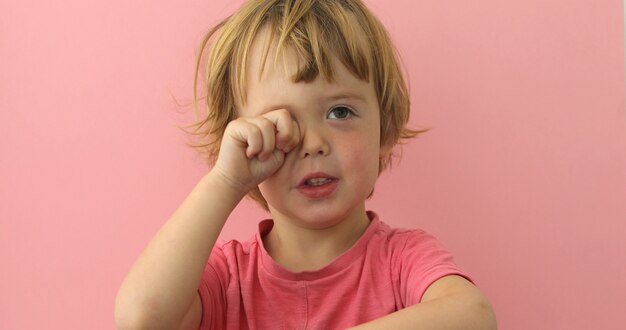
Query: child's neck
pixel 299 249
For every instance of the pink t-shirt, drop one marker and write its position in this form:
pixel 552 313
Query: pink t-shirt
pixel 385 270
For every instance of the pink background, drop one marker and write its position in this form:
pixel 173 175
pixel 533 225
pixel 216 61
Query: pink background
pixel 523 175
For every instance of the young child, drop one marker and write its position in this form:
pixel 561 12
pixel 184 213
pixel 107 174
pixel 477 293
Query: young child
pixel 305 101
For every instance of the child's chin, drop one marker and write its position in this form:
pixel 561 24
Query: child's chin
pixel 321 218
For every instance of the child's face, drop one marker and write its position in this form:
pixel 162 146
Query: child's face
pixel 340 141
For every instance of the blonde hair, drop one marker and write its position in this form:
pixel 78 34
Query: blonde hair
pixel 316 30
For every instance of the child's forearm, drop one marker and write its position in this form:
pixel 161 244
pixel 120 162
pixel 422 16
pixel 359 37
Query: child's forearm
pixel 164 280
pixel 452 312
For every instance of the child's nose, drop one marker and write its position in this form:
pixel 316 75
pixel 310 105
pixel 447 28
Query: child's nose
pixel 313 143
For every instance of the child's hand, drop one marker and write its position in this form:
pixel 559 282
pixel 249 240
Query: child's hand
pixel 254 148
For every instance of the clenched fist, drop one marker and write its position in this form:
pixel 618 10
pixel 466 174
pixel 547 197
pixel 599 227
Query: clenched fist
pixel 254 148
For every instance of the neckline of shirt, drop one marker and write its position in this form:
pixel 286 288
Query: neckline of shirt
pixel 340 263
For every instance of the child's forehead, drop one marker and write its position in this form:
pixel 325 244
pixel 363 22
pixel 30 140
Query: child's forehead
pixel 266 59
pixel 271 75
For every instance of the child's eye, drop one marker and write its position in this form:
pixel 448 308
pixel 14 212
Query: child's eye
pixel 340 112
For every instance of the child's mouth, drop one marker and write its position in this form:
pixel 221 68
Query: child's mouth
pixel 317 181
pixel 317 185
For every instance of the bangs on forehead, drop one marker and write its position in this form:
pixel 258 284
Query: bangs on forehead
pixel 316 32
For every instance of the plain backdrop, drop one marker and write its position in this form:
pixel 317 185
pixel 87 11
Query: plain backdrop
pixel 522 176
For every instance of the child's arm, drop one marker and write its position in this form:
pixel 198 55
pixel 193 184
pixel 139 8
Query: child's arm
pixel 451 302
pixel 161 288
pixel 163 282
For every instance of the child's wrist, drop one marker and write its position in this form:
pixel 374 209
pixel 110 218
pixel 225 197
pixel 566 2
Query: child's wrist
pixel 216 182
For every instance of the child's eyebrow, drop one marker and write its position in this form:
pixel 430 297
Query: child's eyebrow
pixel 346 95
pixel 333 97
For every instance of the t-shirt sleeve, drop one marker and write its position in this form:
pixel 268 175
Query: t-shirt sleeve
pixel 212 291
pixel 423 260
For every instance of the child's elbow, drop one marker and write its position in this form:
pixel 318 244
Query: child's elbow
pixel 128 318
pixel 485 316
pixel 475 312
pixel 131 315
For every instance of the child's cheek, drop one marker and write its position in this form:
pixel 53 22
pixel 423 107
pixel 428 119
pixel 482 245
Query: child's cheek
pixel 359 156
